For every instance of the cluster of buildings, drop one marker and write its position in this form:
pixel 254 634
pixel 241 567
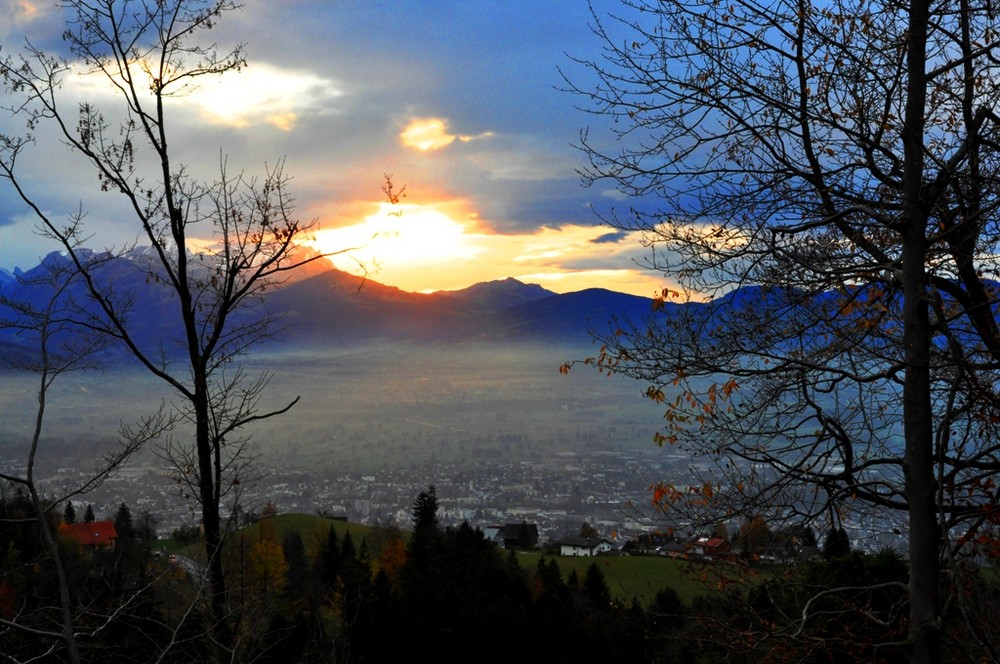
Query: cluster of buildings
pixel 608 492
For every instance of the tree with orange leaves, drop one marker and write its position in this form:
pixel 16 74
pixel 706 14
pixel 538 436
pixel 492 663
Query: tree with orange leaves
pixel 824 180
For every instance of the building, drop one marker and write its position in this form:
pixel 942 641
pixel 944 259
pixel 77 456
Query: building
pixel 709 547
pixel 584 546
pixel 513 535
pixel 91 535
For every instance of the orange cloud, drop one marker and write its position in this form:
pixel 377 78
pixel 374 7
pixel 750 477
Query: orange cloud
pixel 427 134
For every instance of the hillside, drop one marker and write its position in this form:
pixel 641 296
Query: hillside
pixel 627 577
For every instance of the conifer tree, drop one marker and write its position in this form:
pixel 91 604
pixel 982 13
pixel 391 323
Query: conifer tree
pixel 296 576
pixel 69 514
pixel 596 588
pixel 328 562
pixel 123 522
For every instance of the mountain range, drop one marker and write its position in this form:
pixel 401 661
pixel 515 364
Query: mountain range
pixel 325 306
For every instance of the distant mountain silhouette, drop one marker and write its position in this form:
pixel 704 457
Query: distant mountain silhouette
pixel 334 306
pixel 498 295
pixel 7 277
pixel 573 316
pixel 325 306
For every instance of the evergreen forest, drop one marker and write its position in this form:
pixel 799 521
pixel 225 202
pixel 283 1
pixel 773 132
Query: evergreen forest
pixel 321 595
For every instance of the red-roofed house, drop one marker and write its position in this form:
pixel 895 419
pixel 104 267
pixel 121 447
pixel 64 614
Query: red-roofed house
pixel 93 535
pixel 711 546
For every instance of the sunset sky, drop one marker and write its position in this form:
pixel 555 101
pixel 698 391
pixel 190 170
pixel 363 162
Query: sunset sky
pixel 457 100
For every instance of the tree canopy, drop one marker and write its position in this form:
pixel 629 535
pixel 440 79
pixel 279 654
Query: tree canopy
pixel 826 174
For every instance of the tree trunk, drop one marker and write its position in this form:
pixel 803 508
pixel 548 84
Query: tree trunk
pixel 211 523
pixel 918 461
pixel 918 465
pixel 68 624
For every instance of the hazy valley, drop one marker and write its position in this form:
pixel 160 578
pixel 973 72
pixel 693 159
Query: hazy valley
pixel 494 424
pixel 396 391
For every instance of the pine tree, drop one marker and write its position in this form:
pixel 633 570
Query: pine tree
pixel 596 588
pixel 296 580
pixel 426 534
pixel 69 514
pixel 123 522
pixel 837 544
pixel 329 561
pixel 347 550
pixel 425 511
pixel 554 613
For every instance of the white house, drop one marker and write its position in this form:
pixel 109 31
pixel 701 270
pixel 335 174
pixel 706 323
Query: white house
pixel 584 546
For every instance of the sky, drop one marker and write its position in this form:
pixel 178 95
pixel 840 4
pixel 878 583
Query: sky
pixel 458 101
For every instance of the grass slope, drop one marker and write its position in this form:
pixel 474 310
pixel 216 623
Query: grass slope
pixel 314 529
pixel 628 577
pixel 636 577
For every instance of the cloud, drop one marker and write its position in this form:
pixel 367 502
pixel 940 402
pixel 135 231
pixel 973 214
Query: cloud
pixel 439 100
pixel 24 245
pixel 261 94
pixel 14 14
pixel 427 134
pixel 266 94
pixel 615 195
pixel 611 238
pixel 523 160
pixel 397 234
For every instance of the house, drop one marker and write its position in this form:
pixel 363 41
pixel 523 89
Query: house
pixel 520 535
pixel 513 535
pixel 584 546
pixel 673 549
pixel 711 546
pixel 659 544
pixel 91 535
pixel 494 535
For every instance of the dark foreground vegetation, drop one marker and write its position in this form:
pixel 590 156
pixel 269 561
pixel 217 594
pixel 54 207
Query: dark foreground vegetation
pixel 308 590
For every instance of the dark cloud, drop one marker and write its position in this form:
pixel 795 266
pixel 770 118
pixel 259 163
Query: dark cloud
pixel 611 238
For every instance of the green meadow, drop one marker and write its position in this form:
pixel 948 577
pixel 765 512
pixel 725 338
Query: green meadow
pixel 627 577
pixel 640 577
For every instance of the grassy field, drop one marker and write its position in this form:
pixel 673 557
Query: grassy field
pixel 637 577
pixel 628 577
pixel 314 529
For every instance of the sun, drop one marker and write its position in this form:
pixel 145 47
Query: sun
pixel 398 237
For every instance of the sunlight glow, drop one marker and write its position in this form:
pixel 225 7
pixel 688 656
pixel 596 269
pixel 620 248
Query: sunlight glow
pixel 427 134
pixel 403 234
pixel 422 248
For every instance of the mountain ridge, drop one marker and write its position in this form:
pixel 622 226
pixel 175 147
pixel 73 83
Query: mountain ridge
pixel 326 306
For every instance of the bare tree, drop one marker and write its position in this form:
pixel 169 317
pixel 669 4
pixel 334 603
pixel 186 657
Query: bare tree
pixel 59 345
pixel 148 52
pixel 826 173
